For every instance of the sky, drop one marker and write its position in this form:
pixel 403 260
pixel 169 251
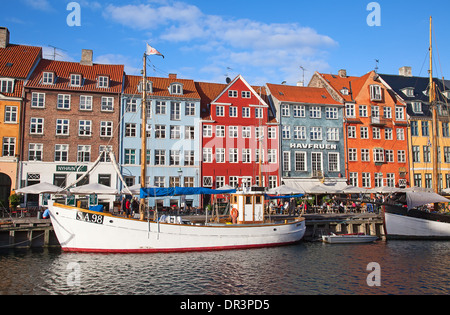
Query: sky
pixel 264 41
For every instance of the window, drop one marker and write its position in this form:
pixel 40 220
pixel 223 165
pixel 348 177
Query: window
pixel 272 132
pixel 375 93
pixel 159 181
pixel 390 180
pixel 316 133
pixel 352 155
pixel 331 113
pixel 259 132
pixel 426 154
pixel 378 179
pixel 233 111
pixel 233 155
pixel 103 82
pixel 246 112
pixel 106 149
pixel 375 111
pixel 107 104
pixel 333 162
pixel 189 158
pixel 175 132
pixel 273 180
pixel 246 156
pixel 9 146
pixel 364 132
pixel 332 134
pixel 388 134
pixel 387 112
pixel 272 156
pixel 220 155
pixel 130 156
pixel 189 132
pixel 401 156
pixel 84 153
pixel 351 132
pixel 286 132
pixel 445 130
pixel 176 89
pixel 63 101
pixel 414 128
pixel 365 155
pixel 132 106
pixel 363 111
pixel 428 181
pixel 447 155
pixel 38 100
pixel 418 180
pixel 6 85
pixel 376 133
pixel 35 152
pixel 400 134
pixel 234 181
pixel 160 132
pixel 48 78
pixel 417 107
pixel 160 108
pixel 174 157
pixel 85 128
pixel 246 94
pixel 350 110
pixel 232 93
pixel 316 163
pixel 160 157
pixel 315 112
pixel 399 113
pixel 259 113
pixel 11 114
pixel 246 132
pixel 299 132
pixel 207 181
pixel 366 181
pixel 353 179
pixel 106 129
pixel 390 156
pixel 286 161
pixel 175 111
pixel 378 155
pixel 220 181
pixel 220 111
pixel 37 126
pixel 233 132
pixel 85 102
pixel 61 153
pixel 220 131
pixel 416 154
pixel 299 111
pixel 75 80
pixel 425 129
pixel 285 111
pixel 207 131
pixel 130 130
pixel 207 155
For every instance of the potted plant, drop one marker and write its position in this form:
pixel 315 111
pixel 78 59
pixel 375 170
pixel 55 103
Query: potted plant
pixel 14 201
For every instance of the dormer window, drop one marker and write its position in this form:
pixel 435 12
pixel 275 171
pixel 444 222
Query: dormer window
pixel 149 88
pixel 176 89
pixel 6 85
pixel 375 93
pixel 417 107
pixel 103 82
pixel 409 92
pixel 75 80
pixel 344 91
pixel 48 78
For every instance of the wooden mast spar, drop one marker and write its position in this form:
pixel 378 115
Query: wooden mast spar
pixel 142 205
pixel 433 107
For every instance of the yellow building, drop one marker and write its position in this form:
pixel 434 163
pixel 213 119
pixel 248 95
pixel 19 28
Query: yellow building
pixel 16 63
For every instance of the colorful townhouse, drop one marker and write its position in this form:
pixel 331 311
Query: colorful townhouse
pixel 311 133
pixel 240 136
pixel 16 64
pixel 414 91
pixel 71 118
pixel 375 126
pixel 173 136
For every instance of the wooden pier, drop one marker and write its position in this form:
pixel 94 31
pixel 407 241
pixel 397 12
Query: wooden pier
pixel 24 233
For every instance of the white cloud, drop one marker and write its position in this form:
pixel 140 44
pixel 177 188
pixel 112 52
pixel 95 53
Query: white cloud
pixel 42 5
pixel 229 42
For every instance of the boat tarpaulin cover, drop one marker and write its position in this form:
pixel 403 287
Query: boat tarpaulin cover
pixel 182 191
pixel 415 199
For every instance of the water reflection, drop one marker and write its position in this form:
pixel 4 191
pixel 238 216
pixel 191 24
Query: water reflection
pixel 307 268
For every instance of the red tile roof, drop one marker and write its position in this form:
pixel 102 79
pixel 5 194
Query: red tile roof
pixel 352 84
pixel 300 94
pixel 16 61
pixel 90 74
pixel 161 86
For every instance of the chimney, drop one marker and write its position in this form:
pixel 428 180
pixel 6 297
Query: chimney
pixel 86 57
pixel 405 71
pixel 342 73
pixel 300 83
pixel 172 75
pixel 4 37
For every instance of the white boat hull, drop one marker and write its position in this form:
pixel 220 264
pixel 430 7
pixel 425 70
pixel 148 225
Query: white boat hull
pixel 348 239
pixel 405 227
pixel 102 233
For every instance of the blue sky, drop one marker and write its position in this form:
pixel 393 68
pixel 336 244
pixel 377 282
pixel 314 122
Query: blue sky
pixel 265 41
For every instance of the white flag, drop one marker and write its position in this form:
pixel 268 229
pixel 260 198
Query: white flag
pixel 152 51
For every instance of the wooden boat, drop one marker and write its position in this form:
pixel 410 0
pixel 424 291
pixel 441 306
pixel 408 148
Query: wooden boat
pixel 348 238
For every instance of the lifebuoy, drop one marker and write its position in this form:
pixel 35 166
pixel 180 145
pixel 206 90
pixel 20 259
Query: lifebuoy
pixel 234 213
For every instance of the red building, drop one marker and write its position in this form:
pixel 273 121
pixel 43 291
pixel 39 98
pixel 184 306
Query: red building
pixel 237 125
pixel 375 127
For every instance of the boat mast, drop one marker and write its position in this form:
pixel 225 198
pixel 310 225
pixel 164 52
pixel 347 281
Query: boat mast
pixel 144 137
pixel 433 107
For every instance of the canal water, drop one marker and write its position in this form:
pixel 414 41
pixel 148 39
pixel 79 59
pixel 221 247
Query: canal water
pixel 403 268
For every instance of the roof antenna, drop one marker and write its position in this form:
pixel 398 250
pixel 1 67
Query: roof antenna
pixel 377 61
pixel 303 81
pixel 54 52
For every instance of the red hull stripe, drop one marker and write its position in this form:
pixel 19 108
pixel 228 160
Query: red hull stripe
pixel 171 250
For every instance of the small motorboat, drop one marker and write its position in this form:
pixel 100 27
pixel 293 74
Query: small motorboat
pixel 348 238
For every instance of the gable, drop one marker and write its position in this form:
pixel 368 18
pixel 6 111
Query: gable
pixel 239 92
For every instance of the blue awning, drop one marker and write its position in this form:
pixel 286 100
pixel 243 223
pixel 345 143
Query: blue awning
pixel 182 191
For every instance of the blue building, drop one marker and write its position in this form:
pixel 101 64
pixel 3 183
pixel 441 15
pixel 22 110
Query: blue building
pixel 312 150
pixel 173 117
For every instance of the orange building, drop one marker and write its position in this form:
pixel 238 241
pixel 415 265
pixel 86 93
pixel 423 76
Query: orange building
pixel 375 127
pixel 16 63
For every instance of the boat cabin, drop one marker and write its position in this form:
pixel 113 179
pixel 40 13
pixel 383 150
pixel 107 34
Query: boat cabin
pixel 249 206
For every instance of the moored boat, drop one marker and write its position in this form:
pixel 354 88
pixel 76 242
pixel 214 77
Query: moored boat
pixel 348 238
